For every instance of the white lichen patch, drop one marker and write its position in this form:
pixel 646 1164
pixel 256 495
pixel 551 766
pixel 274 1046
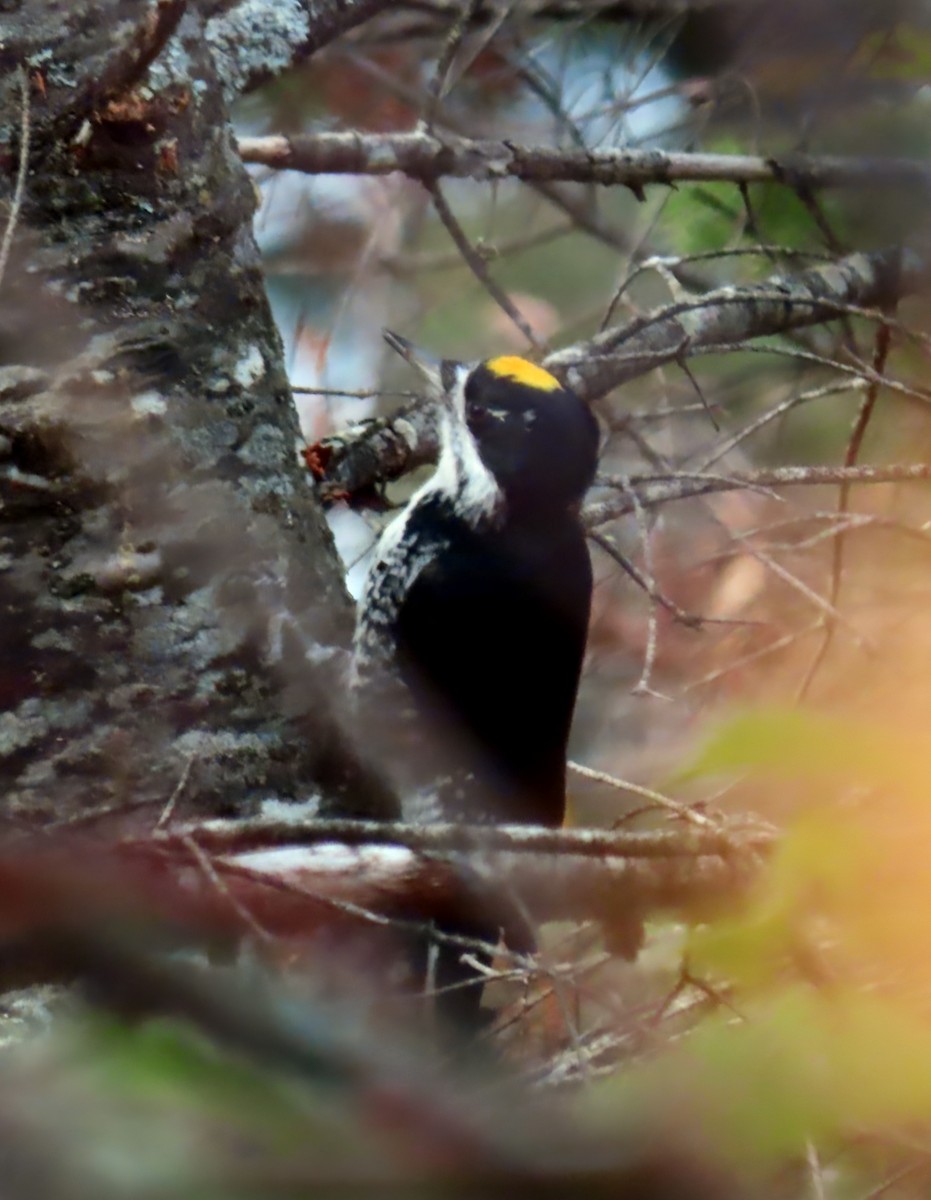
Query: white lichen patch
pixel 266 447
pixel 194 625
pixel 250 368
pixel 127 569
pixel 324 858
pixel 149 404
pixel 289 811
pixel 220 744
pixel 256 37
pixel 51 639
pixel 22 727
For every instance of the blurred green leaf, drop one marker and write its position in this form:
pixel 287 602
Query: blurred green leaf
pixel 796 1067
pixel 906 56
pixel 700 219
pixel 707 217
pixel 817 865
pixel 792 742
pixel 167 1067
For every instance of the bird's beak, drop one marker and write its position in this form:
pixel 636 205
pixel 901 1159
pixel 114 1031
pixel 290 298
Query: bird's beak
pixel 428 366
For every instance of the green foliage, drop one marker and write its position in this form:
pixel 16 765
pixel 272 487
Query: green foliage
pixel 154 1108
pixel 817 1034
pixel 793 742
pixel 707 217
pixel 167 1064
pixel 814 865
pixel 701 219
pixel 793 1068
pixel 906 56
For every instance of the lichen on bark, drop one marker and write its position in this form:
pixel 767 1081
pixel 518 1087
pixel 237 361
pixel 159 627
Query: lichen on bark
pixel 168 583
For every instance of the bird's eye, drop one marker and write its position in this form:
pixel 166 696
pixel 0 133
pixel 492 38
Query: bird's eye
pixel 477 412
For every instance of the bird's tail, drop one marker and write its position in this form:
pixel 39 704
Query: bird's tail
pixel 454 954
pixel 454 977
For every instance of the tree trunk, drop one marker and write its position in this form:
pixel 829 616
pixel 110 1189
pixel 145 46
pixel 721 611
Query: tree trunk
pixel 167 580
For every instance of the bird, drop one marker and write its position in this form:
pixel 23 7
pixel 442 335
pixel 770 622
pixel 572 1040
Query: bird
pixel 472 624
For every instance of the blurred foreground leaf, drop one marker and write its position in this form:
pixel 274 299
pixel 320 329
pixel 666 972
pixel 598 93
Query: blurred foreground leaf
pixel 794 1067
pixel 793 742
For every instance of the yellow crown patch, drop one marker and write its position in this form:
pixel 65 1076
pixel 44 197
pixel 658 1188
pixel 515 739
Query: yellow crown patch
pixel 510 366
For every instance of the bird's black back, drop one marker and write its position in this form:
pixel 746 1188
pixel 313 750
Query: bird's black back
pixel 490 638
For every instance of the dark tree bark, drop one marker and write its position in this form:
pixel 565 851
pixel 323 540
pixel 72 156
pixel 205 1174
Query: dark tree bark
pixel 168 584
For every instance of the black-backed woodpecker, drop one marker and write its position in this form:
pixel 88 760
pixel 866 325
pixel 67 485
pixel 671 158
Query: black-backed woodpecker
pixel 472 626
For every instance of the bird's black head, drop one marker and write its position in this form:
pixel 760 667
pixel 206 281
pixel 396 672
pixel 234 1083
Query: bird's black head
pixel 538 439
pixel 535 437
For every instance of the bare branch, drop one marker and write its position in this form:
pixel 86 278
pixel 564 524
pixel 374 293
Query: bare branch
pixel 654 490
pixel 732 315
pixel 291 877
pixel 355 459
pixel 422 155
pixel 226 837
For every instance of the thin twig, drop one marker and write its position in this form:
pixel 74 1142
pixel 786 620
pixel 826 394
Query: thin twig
pixel 22 172
pixel 624 483
pixel 477 264
pixel 683 365
pixel 780 643
pixel 895 1179
pixel 815 1173
pixel 202 859
pixel 650 494
pixel 637 789
pixel 169 810
pixel 642 686
pixel 631 271
pixel 352 394
pixel 415 264
pixel 864 374
pixel 773 414
pixel 815 598
pixel 439 84
pixel 854 445
pixel 606 543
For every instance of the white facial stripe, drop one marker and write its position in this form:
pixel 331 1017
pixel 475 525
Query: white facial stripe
pixel 461 471
pixel 457 395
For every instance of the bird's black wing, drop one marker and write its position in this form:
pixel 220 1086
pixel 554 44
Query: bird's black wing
pixel 490 639
pixel 491 636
